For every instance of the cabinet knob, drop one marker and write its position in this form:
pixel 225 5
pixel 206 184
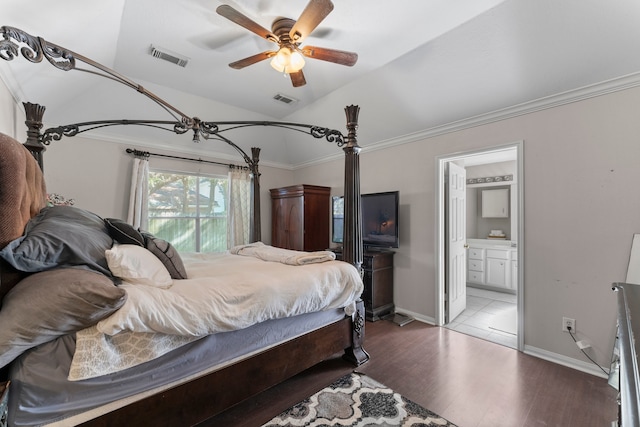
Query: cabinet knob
pixel 466 246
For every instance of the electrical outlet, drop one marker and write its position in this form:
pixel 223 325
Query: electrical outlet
pixel 567 323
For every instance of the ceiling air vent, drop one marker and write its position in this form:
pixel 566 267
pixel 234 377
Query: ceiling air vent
pixel 285 99
pixel 167 55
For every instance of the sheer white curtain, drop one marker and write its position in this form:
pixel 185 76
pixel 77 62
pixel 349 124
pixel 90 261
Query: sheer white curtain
pixel 139 197
pixel 239 219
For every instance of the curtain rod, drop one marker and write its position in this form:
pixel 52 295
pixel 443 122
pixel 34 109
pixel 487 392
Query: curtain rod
pixel 147 154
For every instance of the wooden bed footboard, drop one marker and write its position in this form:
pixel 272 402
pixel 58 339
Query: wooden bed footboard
pixel 200 399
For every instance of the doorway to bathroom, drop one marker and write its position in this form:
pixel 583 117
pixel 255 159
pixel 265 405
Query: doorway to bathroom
pixel 479 243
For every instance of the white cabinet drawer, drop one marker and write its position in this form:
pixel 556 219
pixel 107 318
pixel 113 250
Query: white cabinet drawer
pixel 476 253
pixel 476 265
pixel 475 277
pixel 497 253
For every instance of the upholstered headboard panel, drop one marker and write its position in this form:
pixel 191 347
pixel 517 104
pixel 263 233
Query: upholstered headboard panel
pixel 22 195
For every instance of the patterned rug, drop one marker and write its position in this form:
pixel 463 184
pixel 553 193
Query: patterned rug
pixel 357 400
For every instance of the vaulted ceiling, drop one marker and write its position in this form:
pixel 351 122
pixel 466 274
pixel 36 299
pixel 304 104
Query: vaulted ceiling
pixel 422 65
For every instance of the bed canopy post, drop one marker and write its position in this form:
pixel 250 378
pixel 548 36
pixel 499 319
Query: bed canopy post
pixel 352 246
pixel 255 233
pixel 34 114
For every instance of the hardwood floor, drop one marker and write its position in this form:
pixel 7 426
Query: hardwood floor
pixel 467 380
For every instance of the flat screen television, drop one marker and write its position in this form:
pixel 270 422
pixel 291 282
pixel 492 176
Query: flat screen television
pixel 379 219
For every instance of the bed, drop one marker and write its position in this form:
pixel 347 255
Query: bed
pixel 62 307
pixel 200 365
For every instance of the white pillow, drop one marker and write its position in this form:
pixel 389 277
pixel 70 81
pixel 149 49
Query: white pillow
pixel 137 265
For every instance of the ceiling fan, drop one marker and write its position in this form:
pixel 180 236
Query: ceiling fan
pixel 288 35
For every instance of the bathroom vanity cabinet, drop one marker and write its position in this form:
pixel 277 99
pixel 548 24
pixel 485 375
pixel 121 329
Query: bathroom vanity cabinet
pixel 493 265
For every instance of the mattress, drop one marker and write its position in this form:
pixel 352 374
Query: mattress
pixel 40 393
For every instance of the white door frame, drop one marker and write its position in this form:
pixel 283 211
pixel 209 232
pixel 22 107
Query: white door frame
pixel 440 232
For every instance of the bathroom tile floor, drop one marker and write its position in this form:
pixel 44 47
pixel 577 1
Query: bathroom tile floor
pixel 489 315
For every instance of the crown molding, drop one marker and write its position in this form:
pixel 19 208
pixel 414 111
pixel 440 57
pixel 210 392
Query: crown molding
pixel 591 91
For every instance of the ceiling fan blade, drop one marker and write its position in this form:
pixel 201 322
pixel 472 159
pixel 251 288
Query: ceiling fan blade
pixel 332 55
pixel 240 19
pixel 238 65
pixel 311 16
pixel 298 79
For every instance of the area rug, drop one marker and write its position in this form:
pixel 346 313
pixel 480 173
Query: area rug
pixel 357 400
pixel 506 321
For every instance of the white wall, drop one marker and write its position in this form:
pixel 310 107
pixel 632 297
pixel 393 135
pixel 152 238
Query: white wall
pixel 9 114
pixel 581 208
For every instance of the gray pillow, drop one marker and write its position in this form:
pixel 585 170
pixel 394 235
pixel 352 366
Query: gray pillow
pixel 61 236
pixel 167 254
pixel 53 303
pixel 123 232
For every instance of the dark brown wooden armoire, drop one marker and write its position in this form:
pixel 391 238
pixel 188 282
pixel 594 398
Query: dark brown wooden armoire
pixel 300 216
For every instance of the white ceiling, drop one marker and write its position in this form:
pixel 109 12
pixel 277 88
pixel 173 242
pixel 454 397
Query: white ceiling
pixel 423 64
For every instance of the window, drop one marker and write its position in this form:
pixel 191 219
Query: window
pixel 337 214
pixel 190 211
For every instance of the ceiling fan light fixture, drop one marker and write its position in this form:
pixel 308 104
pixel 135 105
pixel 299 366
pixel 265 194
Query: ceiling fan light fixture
pixel 297 62
pixel 286 61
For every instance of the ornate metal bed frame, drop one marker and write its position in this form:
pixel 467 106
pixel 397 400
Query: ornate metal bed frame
pixel 192 402
pixel 34 49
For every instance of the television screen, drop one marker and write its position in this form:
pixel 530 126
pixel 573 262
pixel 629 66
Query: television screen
pixel 379 219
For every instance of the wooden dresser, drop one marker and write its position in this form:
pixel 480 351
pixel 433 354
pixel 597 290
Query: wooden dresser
pixel 300 217
pixel 628 343
pixel 378 283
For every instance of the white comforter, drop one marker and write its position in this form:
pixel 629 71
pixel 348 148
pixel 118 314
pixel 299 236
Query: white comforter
pixel 229 292
pixel 224 292
pixel 286 256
